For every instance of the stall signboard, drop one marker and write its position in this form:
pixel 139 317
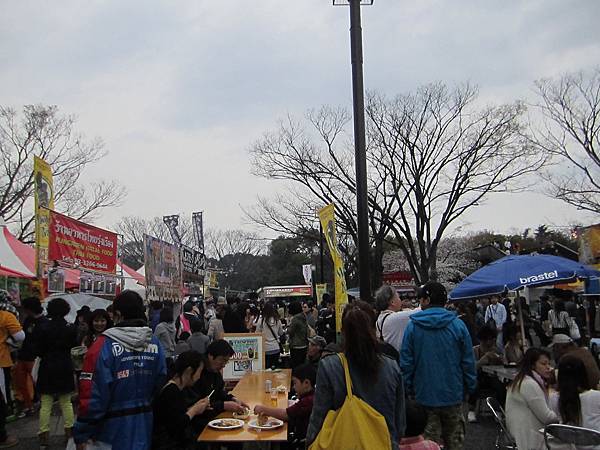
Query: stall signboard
pixel 162 263
pixel 287 291
pixel 81 245
pixel 249 354
pixel 193 265
pixel 56 280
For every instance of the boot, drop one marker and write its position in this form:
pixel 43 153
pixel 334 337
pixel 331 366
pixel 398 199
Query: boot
pixel 68 434
pixel 44 440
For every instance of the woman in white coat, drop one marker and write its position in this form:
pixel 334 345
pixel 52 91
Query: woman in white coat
pixel 527 409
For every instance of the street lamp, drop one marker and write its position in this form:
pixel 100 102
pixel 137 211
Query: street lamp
pixel 360 153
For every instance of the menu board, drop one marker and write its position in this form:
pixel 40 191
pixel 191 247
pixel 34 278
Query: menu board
pixel 249 354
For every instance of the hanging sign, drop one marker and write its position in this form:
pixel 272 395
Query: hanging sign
pixel 193 265
pixel 81 245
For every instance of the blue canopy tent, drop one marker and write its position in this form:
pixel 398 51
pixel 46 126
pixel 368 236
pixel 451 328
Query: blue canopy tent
pixel 515 272
pixel 518 271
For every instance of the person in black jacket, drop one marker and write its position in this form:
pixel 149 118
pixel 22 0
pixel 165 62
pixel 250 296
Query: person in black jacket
pixel 53 342
pixel 171 416
pixel 218 354
pixel 33 313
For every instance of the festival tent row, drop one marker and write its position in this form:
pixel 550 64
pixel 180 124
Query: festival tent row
pixel 18 260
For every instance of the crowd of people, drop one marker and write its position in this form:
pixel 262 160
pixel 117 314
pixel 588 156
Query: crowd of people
pixel 138 376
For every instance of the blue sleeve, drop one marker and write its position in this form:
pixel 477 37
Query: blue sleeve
pixel 468 360
pixel 94 392
pixel 407 358
pixel 161 372
pixel 322 403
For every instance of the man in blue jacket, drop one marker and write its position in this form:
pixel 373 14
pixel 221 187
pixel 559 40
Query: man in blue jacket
pixel 122 370
pixel 438 366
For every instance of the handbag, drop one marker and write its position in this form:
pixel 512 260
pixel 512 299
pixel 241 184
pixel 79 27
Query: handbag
pixel 574 330
pixel 273 333
pixel 355 425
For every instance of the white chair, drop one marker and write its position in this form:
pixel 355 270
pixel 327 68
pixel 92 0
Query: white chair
pixel 567 434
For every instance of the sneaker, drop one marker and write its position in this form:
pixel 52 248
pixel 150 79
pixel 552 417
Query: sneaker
pixel 472 417
pixel 10 441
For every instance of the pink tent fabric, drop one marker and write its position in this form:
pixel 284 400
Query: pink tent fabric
pixel 18 260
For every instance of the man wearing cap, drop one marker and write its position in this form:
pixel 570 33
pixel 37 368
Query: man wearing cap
pixel 438 366
pixel 563 344
pixel 316 345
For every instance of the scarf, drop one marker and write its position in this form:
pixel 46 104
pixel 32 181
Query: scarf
pixel 538 378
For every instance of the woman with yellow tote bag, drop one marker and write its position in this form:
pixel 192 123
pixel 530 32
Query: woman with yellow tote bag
pixel 359 397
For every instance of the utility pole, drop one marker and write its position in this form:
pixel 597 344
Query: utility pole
pixel 360 153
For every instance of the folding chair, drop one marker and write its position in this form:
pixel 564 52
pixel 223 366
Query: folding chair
pixel 568 434
pixel 503 439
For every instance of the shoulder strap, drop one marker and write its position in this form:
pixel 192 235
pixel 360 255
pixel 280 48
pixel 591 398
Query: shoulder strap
pixel 381 327
pixel 275 337
pixel 346 374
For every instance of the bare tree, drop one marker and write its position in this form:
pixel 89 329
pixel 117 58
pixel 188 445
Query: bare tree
pixel 220 243
pixel 318 157
pixel 431 155
pixel 571 136
pixel 133 228
pixel 42 131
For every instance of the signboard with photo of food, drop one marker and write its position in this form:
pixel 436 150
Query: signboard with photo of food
pixel 249 354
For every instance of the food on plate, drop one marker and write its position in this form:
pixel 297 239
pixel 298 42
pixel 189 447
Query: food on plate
pixel 281 388
pixel 225 423
pixel 242 415
pixel 262 420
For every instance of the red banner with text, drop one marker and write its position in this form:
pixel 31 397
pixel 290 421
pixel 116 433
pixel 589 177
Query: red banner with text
pixel 81 245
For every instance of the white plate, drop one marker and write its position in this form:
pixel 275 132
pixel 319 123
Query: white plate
pixel 271 424
pixel 216 424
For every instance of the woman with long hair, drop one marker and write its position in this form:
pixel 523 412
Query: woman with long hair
pixel 376 378
pixel 270 326
pixel 98 322
pixel 171 415
pixel 527 408
pixel 575 403
pixel 513 350
pixel 298 334
pixel 559 318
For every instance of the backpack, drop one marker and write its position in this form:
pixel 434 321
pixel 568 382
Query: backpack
pixel 356 425
pixel 385 347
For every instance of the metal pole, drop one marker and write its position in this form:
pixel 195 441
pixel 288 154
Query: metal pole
pixel 360 150
pixel 321 251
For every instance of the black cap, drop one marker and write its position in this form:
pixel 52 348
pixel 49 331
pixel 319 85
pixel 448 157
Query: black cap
pixel 434 291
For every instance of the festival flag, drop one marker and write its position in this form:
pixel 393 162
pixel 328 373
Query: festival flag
pixel 327 217
pixel 43 203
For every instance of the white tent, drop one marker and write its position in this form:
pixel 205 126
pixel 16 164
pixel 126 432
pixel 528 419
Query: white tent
pixel 76 301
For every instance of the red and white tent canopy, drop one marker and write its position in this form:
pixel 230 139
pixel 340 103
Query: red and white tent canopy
pixel 18 260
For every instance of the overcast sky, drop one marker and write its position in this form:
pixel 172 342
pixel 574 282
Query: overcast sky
pixel 179 89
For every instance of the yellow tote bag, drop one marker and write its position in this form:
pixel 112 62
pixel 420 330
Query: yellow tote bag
pixel 355 426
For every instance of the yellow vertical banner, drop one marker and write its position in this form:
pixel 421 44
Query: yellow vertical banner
pixel 327 218
pixel 44 201
pixel 321 288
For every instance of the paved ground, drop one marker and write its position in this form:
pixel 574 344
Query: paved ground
pixel 480 436
pixel 26 430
